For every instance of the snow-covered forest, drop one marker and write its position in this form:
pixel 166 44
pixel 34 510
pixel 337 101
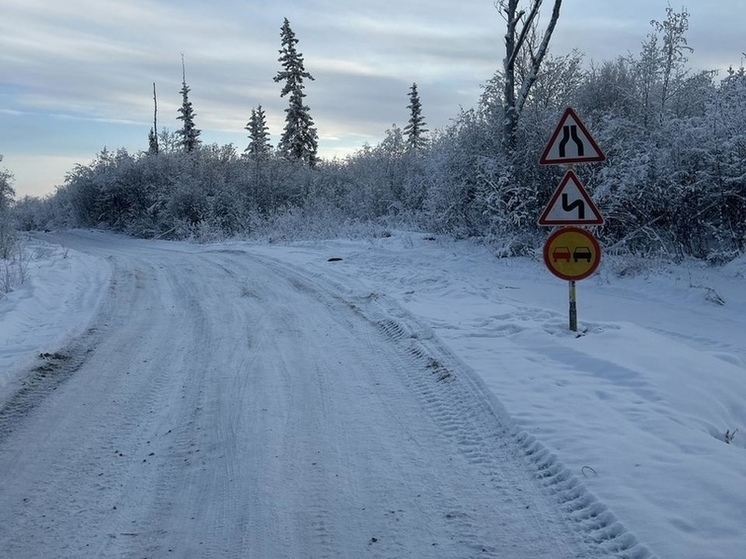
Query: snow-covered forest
pixel 673 183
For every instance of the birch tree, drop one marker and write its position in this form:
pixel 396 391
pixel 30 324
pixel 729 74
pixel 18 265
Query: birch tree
pixel 525 49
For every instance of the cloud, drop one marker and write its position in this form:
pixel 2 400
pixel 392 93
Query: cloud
pixel 101 53
pixel 47 171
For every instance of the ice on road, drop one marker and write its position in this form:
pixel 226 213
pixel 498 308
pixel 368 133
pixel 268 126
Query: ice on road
pixel 223 404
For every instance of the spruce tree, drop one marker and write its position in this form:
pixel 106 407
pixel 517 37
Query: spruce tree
pixel 189 134
pixel 299 137
pixel 415 130
pixel 152 143
pixel 259 146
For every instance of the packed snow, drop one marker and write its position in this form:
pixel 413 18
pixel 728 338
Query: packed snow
pixel 414 396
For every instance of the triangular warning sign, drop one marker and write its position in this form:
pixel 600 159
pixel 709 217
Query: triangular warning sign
pixel 571 205
pixel 571 143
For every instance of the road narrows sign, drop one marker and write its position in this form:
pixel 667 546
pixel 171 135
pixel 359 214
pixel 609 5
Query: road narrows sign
pixel 572 253
pixel 571 143
pixel 571 205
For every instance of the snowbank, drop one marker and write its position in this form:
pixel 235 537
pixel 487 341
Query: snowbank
pixel 55 303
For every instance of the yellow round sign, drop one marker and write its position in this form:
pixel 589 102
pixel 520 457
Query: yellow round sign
pixel 572 253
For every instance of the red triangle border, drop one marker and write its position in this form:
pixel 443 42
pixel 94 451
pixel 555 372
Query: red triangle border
pixel 569 112
pixel 597 219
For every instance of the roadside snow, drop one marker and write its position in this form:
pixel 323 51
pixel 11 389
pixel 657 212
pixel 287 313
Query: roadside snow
pixel 55 303
pixel 638 406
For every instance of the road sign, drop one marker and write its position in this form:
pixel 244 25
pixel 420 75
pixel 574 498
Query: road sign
pixel 572 253
pixel 571 205
pixel 571 143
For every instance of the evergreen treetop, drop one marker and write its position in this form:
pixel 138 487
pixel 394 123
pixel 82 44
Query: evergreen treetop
pixel 152 143
pixel 259 146
pixel 299 137
pixel 415 129
pixel 189 133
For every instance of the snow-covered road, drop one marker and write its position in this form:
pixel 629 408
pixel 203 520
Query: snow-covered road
pixel 224 404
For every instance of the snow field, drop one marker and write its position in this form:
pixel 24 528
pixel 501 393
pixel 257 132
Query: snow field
pixel 618 433
pixel 636 408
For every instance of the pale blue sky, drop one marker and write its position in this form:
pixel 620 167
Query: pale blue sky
pixel 76 75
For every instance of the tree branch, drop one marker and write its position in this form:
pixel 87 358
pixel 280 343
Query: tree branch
pixel 525 29
pixel 536 61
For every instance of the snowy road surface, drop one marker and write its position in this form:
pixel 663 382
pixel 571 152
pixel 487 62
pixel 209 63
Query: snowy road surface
pixel 223 404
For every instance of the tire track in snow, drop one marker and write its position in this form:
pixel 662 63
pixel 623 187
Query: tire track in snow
pixel 54 368
pixel 474 428
pixel 102 467
pixel 485 435
pixel 41 380
pixel 450 395
pixel 102 461
pixel 464 528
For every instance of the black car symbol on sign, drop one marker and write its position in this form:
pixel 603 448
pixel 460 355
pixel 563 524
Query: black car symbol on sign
pixel 582 253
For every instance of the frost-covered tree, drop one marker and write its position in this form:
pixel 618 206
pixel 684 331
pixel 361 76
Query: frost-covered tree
pixel 730 152
pixel 6 199
pixel 188 134
pixel 6 190
pixel 259 146
pixel 557 83
pixel 673 30
pixel 524 53
pixel 648 71
pixel 415 129
pixel 299 137
pixel 608 90
pixel 152 143
pixel 661 69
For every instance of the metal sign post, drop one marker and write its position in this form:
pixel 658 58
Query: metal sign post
pixel 573 308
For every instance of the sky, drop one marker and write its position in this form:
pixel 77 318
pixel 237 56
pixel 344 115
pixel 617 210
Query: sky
pixel 77 76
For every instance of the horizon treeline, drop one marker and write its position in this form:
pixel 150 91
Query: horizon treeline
pixel 673 182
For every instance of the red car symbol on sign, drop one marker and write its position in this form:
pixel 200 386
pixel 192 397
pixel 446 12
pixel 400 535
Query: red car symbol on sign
pixel 561 253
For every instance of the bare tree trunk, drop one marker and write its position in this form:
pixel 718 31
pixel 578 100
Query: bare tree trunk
pixel 510 115
pixel 155 120
pixel 519 44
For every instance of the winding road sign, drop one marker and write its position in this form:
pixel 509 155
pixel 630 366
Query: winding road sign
pixel 571 143
pixel 572 253
pixel 571 205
